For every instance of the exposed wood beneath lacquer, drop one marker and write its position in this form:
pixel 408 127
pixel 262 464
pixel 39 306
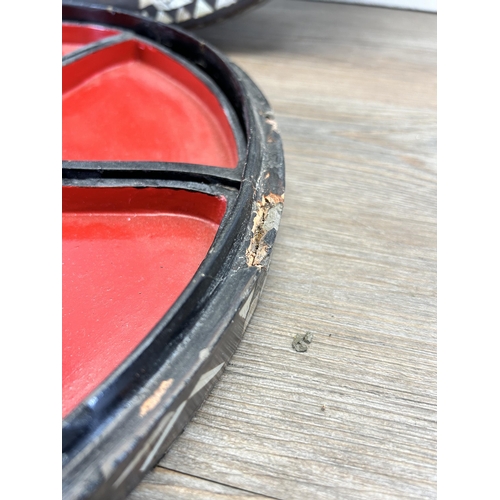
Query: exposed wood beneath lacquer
pixel 354 417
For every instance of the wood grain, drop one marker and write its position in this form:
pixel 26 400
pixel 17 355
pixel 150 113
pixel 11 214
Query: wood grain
pixel 164 484
pixel 354 417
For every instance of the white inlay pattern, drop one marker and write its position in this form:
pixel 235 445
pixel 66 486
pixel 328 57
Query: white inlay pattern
pixel 246 306
pixel 163 17
pixel 202 9
pixel 163 436
pixel 170 4
pixel 205 379
pixel 182 15
pixel 220 4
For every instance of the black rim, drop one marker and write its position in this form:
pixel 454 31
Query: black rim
pixel 109 443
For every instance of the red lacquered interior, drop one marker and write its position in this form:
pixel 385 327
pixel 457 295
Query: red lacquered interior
pixel 132 102
pixel 128 254
pixel 75 36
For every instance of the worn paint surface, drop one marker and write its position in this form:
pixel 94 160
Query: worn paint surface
pixel 153 400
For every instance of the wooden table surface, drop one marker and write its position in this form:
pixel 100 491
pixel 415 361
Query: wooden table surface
pixel 354 417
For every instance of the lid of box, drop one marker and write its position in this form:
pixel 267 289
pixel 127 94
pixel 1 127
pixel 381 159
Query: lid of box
pixel 186 13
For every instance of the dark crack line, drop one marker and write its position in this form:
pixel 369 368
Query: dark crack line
pixel 219 483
